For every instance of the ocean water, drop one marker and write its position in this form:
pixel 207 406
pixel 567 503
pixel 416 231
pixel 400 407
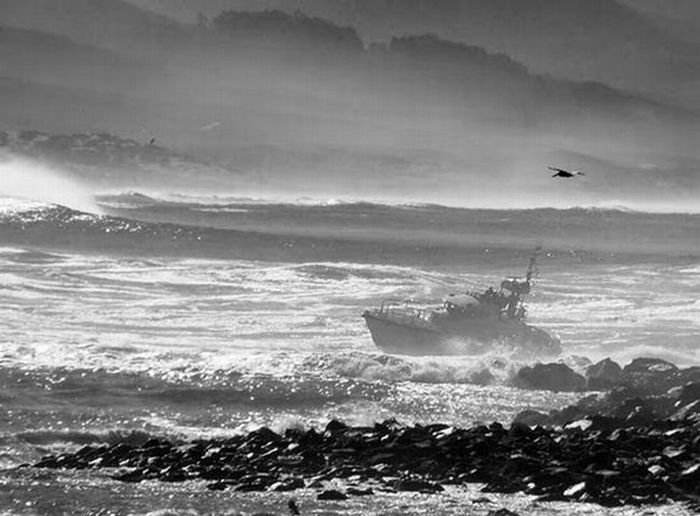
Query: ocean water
pixel 201 316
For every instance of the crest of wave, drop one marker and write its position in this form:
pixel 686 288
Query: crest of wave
pixel 21 178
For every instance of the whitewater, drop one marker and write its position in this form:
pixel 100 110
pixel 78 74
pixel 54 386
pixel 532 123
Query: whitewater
pixel 193 318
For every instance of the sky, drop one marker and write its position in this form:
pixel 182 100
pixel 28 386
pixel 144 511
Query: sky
pixel 353 100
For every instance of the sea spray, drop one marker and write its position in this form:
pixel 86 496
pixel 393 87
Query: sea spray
pixel 25 179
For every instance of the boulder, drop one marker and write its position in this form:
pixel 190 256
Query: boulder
pixel 690 392
pixel 531 418
pixel 650 376
pixel 649 366
pixel 421 486
pixel 332 494
pixel 502 512
pixel 550 377
pixel 603 375
pixel 687 411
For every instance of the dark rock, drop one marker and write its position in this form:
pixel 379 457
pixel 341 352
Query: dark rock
pixel 649 365
pixel 137 475
pixel 252 487
pixel 550 377
pixel 359 492
pixel 332 494
pixel 502 512
pixel 690 392
pixel 421 486
pixel 610 450
pixel 603 375
pixel 482 377
pixel 651 376
pixel 293 507
pixel 288 485
pixel 335 426
pixel 218 486
pixel 687 411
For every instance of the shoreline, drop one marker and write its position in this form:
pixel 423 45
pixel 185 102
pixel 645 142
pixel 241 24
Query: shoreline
pixel 611 461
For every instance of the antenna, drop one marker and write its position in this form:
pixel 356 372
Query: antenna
pixel 532 268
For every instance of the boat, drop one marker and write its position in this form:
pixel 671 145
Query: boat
pixel 469 323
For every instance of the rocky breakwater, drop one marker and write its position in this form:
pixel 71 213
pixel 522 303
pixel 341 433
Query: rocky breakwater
pixel 643 392
pixel 644 376
pixel 592 461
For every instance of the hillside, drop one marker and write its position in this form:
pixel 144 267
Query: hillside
pixel 103 160
pixel 112 24
pixel 591 40
pixel 297 102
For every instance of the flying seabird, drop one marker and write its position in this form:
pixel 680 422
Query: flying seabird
pixel 151 142
pixel 565 173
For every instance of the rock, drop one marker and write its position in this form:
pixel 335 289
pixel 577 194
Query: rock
pixel 288 485
pixel 603 375
pixel 332 494
pixel 687 411
pixel 575 490
pixel 650 376
pixel 609 450
pixel 482 377
pixel 550 377
pixel 690 392
pixel 531 418
pixel 137 475
pixel 420 486
pixel 689 375
pixel 649 365
pixel 359 492
pixel 335 426
pixel 217 486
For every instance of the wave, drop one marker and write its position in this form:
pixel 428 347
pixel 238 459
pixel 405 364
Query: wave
pixel 141 389
pixel 58 228
pixel 134 199
pixel 425 235
pixel 213 202
pixel 46 437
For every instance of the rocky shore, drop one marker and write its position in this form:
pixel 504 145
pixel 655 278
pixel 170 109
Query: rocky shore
pixel 645 376
pixel 637 444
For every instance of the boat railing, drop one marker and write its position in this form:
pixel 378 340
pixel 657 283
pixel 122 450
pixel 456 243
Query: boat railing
pixel 405 312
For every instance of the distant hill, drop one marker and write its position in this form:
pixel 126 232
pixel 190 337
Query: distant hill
pixel 106 160
pixel 278 29
pixel 584 40
pixel 678 17
pixel 57 60
pixel 112 24
pixel 298 103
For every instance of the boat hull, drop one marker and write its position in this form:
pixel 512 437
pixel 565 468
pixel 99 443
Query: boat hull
pixel 473 338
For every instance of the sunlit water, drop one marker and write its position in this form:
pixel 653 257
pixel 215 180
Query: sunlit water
pixel 95 345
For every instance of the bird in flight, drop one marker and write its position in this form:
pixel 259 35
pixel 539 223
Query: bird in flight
pixel 565 173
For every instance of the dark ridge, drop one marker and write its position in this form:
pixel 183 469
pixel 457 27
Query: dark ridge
pixel 433 48
pixel 296 27
pixel 114 24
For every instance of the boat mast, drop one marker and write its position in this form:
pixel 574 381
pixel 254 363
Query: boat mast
pixel 532 268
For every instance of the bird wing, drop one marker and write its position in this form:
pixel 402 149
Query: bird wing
pixel 557 170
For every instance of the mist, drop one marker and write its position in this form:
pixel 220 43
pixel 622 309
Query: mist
pixel 29 180
pixel 314 111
